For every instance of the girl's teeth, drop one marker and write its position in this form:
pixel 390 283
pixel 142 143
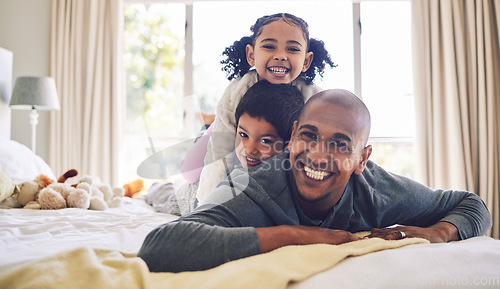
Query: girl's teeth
pixel 278 70
pixel 316 175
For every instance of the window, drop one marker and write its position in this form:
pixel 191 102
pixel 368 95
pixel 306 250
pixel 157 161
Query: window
pixel 154 71
pixel 386 82
pixel 172 55
pixel 214 29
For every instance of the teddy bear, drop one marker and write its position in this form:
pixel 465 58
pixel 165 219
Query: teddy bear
pixel 29 190
pixel 60 196
pixel 87 193
pixel 44 193
pixel 102 196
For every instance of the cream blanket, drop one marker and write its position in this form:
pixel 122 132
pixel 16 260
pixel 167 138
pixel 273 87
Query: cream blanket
pixel 92 268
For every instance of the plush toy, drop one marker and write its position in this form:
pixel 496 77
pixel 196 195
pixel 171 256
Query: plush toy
pixel 133 188
pixel 60 196
pixel 44 193
pixel 29 190
pixel 87 193
pixel 102 196
pixel 7 189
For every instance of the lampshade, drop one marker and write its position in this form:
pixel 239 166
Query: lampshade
pixel 35 92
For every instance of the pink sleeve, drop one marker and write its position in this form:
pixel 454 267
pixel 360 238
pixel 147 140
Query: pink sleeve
pixel 192 165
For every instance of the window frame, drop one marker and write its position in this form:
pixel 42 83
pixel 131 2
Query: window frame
pixel 188 62
pixel 189 97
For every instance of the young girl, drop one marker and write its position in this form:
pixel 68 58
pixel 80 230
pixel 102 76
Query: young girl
pixel 280 51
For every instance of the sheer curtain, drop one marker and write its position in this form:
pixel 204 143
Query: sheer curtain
pixel 457 92
pixel 86 64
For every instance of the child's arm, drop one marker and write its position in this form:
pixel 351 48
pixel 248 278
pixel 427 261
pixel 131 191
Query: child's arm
pixel 192 165
pixel 221 144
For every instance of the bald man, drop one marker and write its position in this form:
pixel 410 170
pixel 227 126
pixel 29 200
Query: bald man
pixel 322 190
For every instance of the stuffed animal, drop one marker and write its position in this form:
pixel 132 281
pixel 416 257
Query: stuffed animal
pixel 7 189
pixel 87 193
pixel 29 190
pixel 61 195
pixel 102 196
pixel 134 188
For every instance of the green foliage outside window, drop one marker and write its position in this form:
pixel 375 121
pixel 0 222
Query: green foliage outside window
pixel 153 60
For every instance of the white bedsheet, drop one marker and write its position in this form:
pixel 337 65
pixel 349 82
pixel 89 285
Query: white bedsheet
pixel 471 263
pixel 32 234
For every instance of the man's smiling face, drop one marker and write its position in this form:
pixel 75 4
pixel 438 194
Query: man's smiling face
pixel 326 147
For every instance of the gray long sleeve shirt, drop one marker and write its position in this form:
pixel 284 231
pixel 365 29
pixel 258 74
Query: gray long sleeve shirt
pixel 223 229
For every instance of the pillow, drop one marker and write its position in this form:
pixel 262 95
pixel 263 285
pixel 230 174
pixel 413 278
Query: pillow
pixel 20 163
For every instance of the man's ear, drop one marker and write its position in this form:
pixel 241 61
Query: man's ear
pixel 250 55
pixel 367 151
pixel 293 135
pixel 308 61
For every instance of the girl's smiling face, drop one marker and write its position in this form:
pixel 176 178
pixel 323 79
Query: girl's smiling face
pixel 279 53
pixel 256 140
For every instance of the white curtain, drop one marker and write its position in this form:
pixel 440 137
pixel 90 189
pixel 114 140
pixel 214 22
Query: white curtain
pixel 86 64
pixel 457 92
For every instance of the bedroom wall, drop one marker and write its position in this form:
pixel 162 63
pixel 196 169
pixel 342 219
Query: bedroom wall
pixel 5 91
pixel 25 30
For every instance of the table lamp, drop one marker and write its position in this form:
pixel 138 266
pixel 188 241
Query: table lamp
pixel 34 93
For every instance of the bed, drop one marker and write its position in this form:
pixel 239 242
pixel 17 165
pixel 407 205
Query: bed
pixel 77 248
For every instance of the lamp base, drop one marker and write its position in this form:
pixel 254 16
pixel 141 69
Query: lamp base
pixel 33 122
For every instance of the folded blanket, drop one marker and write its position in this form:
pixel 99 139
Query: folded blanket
pixel 92 268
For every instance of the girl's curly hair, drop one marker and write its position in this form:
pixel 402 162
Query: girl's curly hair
pixel 235 63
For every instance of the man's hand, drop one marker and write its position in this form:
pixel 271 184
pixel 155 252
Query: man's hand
pixel 438 233
pixel 271 238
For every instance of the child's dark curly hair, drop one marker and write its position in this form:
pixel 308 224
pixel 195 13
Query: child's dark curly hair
pixel 235 64
pixel 278 104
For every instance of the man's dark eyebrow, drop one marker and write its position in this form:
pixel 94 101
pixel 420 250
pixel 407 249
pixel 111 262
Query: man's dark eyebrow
pixel 337 135
pixel 340 135
pixel 308 126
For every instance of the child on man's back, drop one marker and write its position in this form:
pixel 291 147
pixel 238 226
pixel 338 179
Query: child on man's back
pixel 281 51
pixel 264 120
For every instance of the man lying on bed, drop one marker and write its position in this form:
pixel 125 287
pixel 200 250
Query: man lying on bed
pixel 322 191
